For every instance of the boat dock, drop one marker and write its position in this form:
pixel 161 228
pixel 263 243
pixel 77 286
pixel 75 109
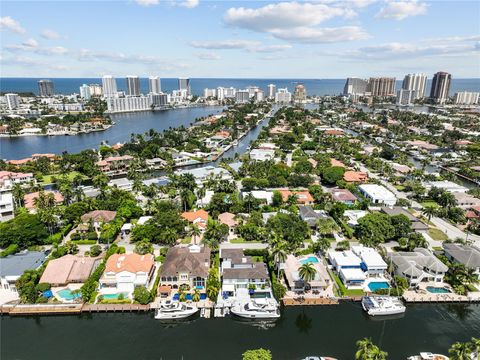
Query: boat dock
pixel 309 301
pixel 414 297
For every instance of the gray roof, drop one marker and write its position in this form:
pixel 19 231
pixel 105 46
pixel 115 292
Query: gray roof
pixel 309 215
pixel 397 210
pixel 413 263
pixel 236 256
pixel 463 254
pixel 15 265
pixel 181 260
pixel 258 271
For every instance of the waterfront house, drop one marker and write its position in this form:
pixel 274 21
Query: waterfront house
pixel 99 217
pixel 203 174
pixel 115 165
pixel 206 199
pixel 186 266
pixel 124 272
pixel 344 196
pixel 419 265
pixel 241 272
pixel 13 266
pixel 378 194
pixel 8 178
pixel 303 197
pixel 30 199
pixel 296 284
pixel 198 218
pixel 446 185
pixel 69 269
pixel 417 225
pixel 467 255
pixel 348 267
pixel 466 201
pixel 372 262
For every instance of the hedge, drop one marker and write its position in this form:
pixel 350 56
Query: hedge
pixel 11 249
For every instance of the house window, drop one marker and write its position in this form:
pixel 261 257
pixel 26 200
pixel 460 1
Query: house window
pixel 199 282
pixel 183 276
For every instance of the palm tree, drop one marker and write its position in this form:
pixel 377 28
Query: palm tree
pixel 367 350
pixel 18 193
pixel 307 272
pixel 195 233
pixel 196 296
pixel 429 211
pixel 279 255
pixel 461 351
pixel 201 192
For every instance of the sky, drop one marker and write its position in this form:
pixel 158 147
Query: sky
pixel 316 39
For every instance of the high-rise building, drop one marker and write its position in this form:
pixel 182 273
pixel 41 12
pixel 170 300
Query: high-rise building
pixel 242 96
pixel 259 96
pixel 154 85
pixel 133 85
pixel 355 86
pixel 300 93
pixel 466 98
pixel 129 103
pixel 283 96
pixel 252 90
pixel 406 97
pixel 209 93
pixel 381 86
pixel 272 89
pixel 45 88
pixel 85 92
pixel 184 84
pixel 440 87
pixel 95 90
pixel 416 82
pixel 13 101
pixel 109 86
pixel 158 100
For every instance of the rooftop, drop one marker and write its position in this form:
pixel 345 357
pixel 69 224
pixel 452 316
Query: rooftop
pixel 15 265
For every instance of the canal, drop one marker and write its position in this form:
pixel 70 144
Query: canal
pixel 301 331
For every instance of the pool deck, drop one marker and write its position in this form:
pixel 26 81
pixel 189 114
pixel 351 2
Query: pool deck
pixel 412 296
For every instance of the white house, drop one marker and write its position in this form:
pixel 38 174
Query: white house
pixel 202 174
pixel 123 273
pixel 348 267
pixel 445 185
pixel 378 194
pixel 262 154
pixel 372 263
pixel 262 195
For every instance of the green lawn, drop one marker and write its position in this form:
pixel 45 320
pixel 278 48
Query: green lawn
pixel 400 187
pixel 429 203
pixel 48 179
pixel 242 241
pixel 343 290
pixel 436 234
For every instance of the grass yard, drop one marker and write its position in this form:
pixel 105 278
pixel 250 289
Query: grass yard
pixel 242 241
pixel 48 179
pixel 429 203
pixel 436 234
pixel 343 290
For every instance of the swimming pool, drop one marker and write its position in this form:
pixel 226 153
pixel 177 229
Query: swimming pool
pixel 189 296
pixel 378 285
pixel 438 290
pixel 67 294
pixel 310 259
pixel 114 296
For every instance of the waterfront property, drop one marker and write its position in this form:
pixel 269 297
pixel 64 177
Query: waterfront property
pixel 419 266
pixel 348 267
pixel 30 199
pixel 13 266
pixel 467 255
pixel 202 174
pixel 69 269
pixel 297 285
pixel 185 266
pixel 124 272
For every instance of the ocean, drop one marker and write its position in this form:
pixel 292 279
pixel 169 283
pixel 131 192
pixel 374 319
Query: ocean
pixel 319 87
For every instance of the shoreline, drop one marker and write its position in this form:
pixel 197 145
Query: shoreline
pixel 57 134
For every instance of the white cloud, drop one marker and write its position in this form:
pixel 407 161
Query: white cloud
pixel 284 15
pixel 208 56
pixel 322 35
pixel 147 2
pixel 189 4
pixel 50 34
pixel 7 23
pixel 30 43
pixel 400 10
pixel 225 44
pixel 270 48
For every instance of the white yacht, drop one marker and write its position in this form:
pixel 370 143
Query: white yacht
pixel 256 309
pixel 319 358
pixel 170 310
pixel 427 356
pixel 382 305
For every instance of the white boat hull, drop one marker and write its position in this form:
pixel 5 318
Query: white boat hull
pixel 275 315
pixel 380 309
pixel 175 315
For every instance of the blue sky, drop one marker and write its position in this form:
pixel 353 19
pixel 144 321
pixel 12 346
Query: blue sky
pixel 244 39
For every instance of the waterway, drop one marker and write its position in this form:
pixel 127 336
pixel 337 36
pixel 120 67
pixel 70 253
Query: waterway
pixel 301 331
pixel 125 125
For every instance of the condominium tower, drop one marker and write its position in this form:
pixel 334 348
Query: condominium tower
pixel 440 87
pixel 45 88
pixel 417 83
pixel 382 86
pixel 133 85
pixel 184 84
pixel 154 85
pixel 109 86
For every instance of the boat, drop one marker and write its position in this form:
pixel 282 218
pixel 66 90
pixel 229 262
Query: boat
pixel 382 305
pixel 318 358
pixel 428 356
pixel 170 310
pixel 256 309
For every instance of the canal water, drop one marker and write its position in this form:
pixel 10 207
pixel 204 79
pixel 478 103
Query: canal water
pixel 126 124
pixel 301 331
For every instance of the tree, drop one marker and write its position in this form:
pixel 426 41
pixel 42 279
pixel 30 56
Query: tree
pixel 195 232
pixel 429 212
pixel 196 295
pixel 95 250
pixel 279 254
pixel 332 174
pixel 402 225
pixel 143 247
pixel 374 229
pixel 215 234
pixel 447 199
pixel 277 199
pixel 142 295
pixel 24 230
pixel 257 354
pixel 321 245
pixel 326 226
pixel 367 350
pixel 461 351
pixel 307 272
pixel 213 284
pixel 290 228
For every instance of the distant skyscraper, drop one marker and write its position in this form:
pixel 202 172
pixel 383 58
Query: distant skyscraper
pixel 13 101
pixel 133 85
pixel 109 86
pixel 272 89
pixel 300 94
pixel 283 96
pixel 382 86
pixel 259 96
pixel 154 85
pixel 85 92
pixel 465 98
pixel 242 96
pixel 45 88
pixel 406 97
pixel 184 84
pixel 355 86
pixel 416 82
pixel 95 89
pixel 209 93
pixel 252 90
pixel 440 87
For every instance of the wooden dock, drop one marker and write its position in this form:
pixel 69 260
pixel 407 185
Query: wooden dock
pixel 97 308
pixel 22 310
pixel 308 301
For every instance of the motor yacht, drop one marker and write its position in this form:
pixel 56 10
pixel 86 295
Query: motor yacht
pixel 170 310
pixel 427 356
pixel 256 309
pixel 382 305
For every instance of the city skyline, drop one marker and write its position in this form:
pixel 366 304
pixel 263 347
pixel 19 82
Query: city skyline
pixel 324 39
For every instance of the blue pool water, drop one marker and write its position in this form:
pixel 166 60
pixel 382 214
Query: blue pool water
pixel 189 296
pixel 378 285
pixel 68 295
pixel 114 296
pixel 311 259
pixel 437 290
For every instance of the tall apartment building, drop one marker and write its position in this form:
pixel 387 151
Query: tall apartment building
pixel 381 86
pixel 13 101
pixel 466 98
pixel 252 90
pixel 85 92
pixel 300 93
pixel 154 85
pixel 95 90
pixel 45 88
pixel 158 100
pixel 259 95
pixel 242 96
pixel 128 103
pixel 406 97
pixel 416 82
pixel 271 90
pixel 184 84
pixel 109 86
pixel 355 86
pixel 283 96
pixel 440 87
pixel 209 93
pixel 133 85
